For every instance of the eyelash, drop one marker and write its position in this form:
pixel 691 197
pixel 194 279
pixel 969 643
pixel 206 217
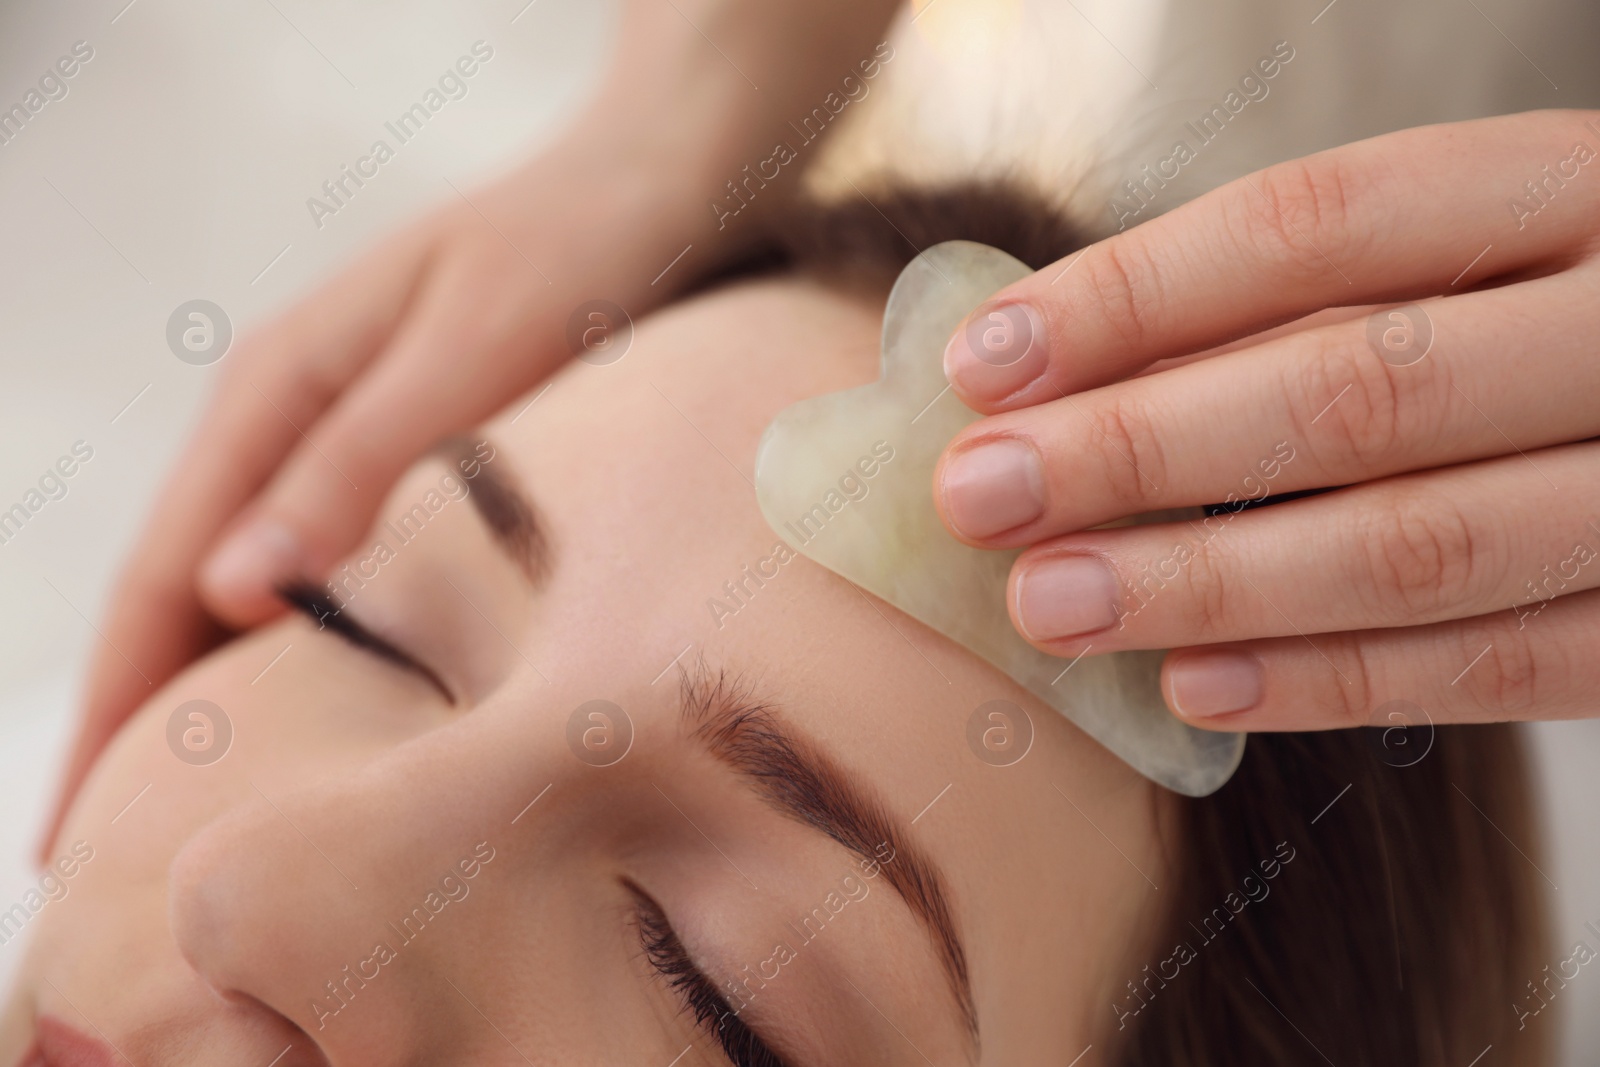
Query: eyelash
pixel 317 606
pixel 712 1014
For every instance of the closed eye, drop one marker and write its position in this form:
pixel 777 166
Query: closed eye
pixel 315 604
pixel 713 1015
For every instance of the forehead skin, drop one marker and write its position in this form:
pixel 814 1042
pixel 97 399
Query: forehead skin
pixel 643 469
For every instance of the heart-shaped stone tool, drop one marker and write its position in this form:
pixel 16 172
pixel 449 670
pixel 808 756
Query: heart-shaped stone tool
pixel 847 480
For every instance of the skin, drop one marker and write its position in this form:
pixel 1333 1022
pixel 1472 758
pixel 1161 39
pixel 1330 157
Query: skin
pixel 1457 569
pixel 231 892
pixel 430 332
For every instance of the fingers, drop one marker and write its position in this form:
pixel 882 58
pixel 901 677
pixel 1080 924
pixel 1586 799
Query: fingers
pixel 1493 668
pixel 467 344
pixel 156 623
pixel 1448 544
pixel 1324 408
pixel 1392 218
pixel 301 362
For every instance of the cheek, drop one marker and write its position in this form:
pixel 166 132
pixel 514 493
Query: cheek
pixel 279 707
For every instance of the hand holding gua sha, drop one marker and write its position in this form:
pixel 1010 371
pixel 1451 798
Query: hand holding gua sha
pixel 891 542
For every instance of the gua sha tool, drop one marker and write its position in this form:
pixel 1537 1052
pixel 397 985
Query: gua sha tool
pixel 847 480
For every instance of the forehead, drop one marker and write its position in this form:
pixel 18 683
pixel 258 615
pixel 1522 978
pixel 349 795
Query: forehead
pixel 642 471
pixel 643 467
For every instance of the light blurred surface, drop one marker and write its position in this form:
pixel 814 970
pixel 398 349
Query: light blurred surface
pixel 179 163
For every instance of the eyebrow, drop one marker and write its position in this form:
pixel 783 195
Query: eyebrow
pixel 794 776
pixel 501 502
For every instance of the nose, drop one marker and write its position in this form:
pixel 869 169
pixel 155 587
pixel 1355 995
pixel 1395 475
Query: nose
pixel 263 912
pixel 318 903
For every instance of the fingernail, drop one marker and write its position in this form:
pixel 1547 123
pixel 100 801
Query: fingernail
pixel 994 487
pixel 254 558
pixel 1064 596
pixel 997 351
pixel 1205 684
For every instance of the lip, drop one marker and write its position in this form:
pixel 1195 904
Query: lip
pixel 58 1045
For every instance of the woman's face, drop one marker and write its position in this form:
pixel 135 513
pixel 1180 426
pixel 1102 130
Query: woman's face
pixel 633 766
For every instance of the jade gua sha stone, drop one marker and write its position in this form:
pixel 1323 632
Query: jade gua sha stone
pixel 891 543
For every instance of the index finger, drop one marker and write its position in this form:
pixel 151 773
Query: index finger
pixel 1410 214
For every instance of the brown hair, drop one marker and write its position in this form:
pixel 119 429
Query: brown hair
pixel 1402 930
pixel 1403 919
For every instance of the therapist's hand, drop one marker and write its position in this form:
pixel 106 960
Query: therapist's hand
pixel 1455 574
pixel 318 414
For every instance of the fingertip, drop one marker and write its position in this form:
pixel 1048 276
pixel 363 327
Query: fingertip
pixel 987 487
pixel 1060 601
pixel 1213 688
pixel 997 352
pixel 238 581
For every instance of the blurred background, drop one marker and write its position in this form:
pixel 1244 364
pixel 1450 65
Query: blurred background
pixel 179 162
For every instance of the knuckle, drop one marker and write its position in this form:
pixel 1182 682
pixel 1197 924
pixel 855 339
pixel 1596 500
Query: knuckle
pixel 1352 684
pixel 1510 677
pixel 1134 466
pixel 269 365
pixel 1209 576
pixel 1422 554
pixel 363 454
pixel 1351 403
pixel 1297 214
pixel 1122 287
pixel 316 384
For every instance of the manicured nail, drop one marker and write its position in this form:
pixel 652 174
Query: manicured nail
pixel 997 351
pixel 1205 684
pixel 993 487
pixel 253 559
pixel 1063 596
